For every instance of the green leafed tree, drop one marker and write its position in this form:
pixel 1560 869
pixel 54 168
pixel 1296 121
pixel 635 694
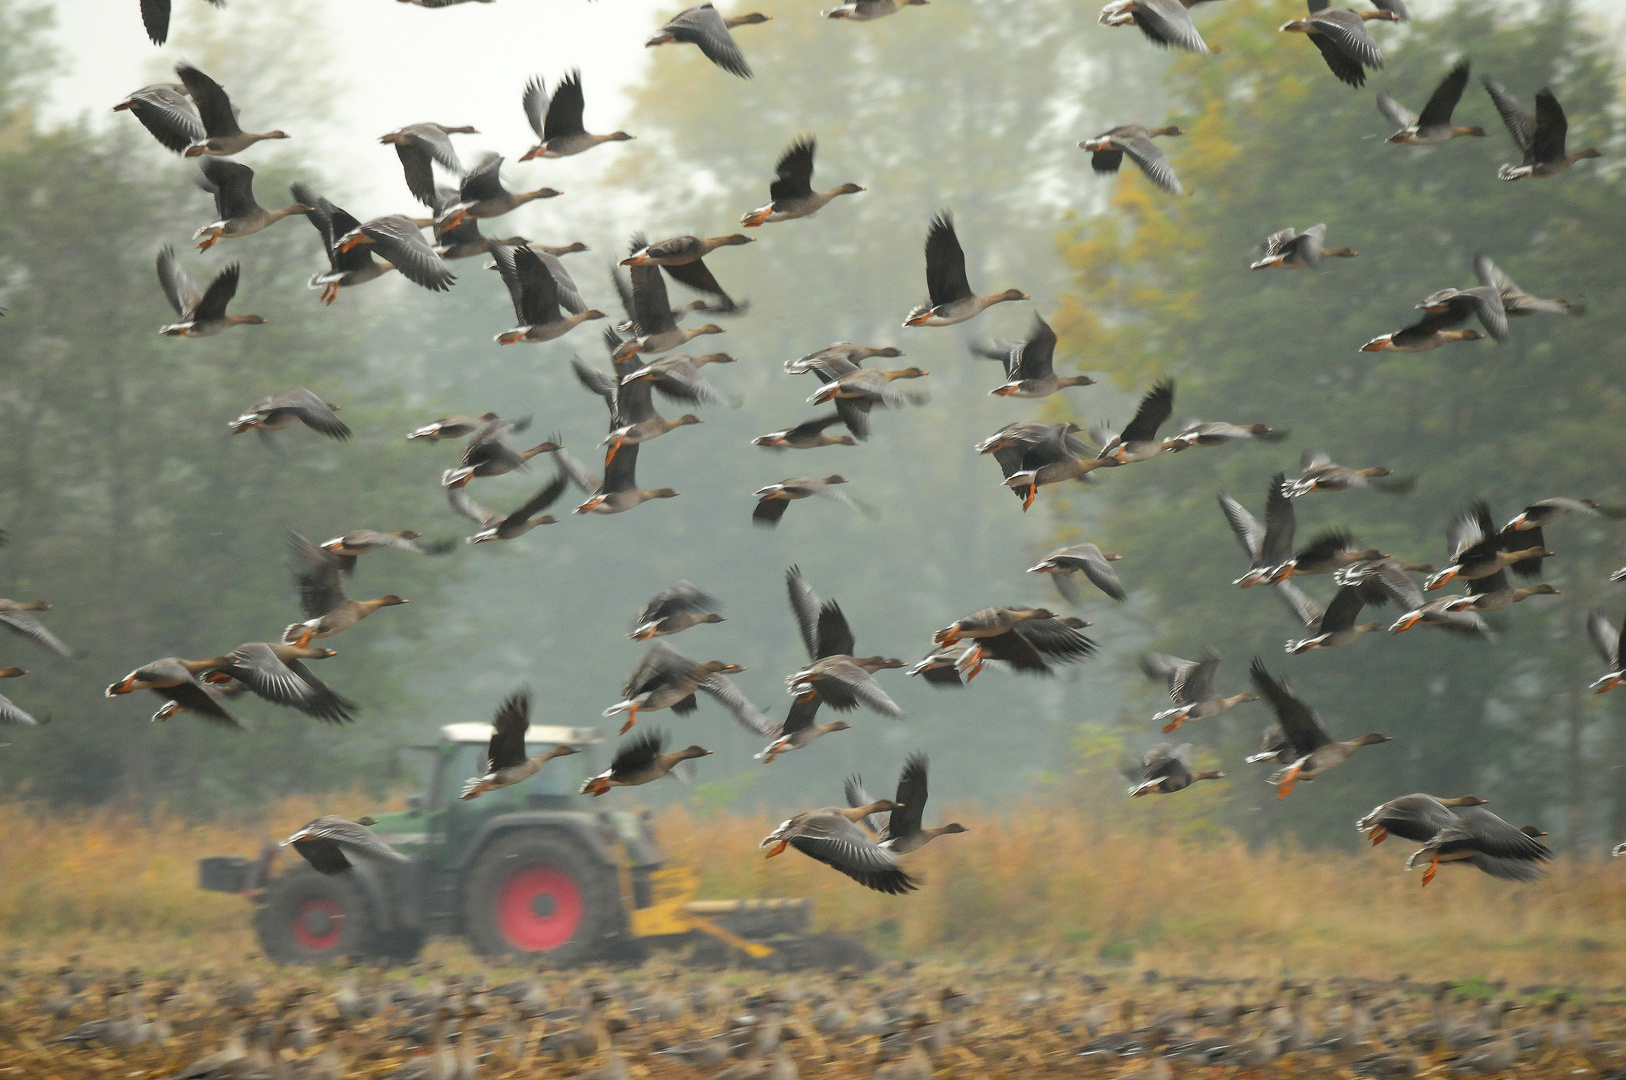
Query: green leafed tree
pixel 130 507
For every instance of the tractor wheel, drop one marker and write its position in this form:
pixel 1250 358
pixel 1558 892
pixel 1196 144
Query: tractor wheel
pixel 304 917
pixel 535 893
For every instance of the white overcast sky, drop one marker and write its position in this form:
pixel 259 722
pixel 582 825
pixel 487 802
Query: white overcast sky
pixel 395 73
pixel 398 74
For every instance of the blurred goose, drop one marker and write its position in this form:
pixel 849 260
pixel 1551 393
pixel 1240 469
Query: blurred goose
pixel 618 490
pixel 280 411
pixel 1107 152
pixel 1166 769
pixel 10 712
pixel 222 136
pixel 835 676
pixel 1336 627
pixel 155 17
pixel 902 832
pixel 641 761
pixel 1540 138
pixel 232 186
pixel 1273 746
pixel 1267 547
pixel 18 616
pixel 1293 250
pixel 202 314
pixel 400 241
pixel 1138 441
pixel 633 419
pixel 775 499
pixel 1164 22
pixel 1318 472
pixel 514 525
pixel 672 611
pixel 166 111
pixel 1476 836
pixel 702 26
pixel 465 240
pixel 1029 365
pixel 841 357
pixel 420 146
pixel 1433 125
pixel 655 329
pixel 791 195
pixel 805 436
pixel 1544 512
pixel 1430 332
pixel 352 545
pixel 1086 559
pixel 1420 818
pixel 507 763
pixel 327 609
pixel 1494 593
pixel 1482 301
pixel 333 845
pixel 942 666
pixel 952 300
pixel 488 453
pixel 481 194
pixel 1031 455
pixel 832 836
pixel 680 378
pixel 798 730
pixel 1328 552
pixel 452 427
pixel 277 673
pixel 1340 34
pixel 1218 433
pixel 865 10
pixel 1611 646
pixel 870 385
pixel 1191 686
pixel 557 120
pixel 1393 579
pixel 539 286
pixel 1517 303
pixel 666 679
pixel 1477 549
pixel 683 257
pixel 345 268
pixel 1026 638
pixel 177 680
pixel 1315 752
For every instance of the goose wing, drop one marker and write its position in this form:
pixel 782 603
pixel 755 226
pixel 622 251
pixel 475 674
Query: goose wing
pixel 1297 719
pixel 508 728
pixel 219 293
pixel 838 843
pixel 177 284
pixel 1443 102
pixel 945 262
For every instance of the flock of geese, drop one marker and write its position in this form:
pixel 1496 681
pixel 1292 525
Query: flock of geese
pixel 866 838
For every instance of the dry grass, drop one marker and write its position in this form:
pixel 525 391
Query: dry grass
pixel 1057 881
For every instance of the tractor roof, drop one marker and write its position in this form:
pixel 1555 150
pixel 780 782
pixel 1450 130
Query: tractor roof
pixel 481 733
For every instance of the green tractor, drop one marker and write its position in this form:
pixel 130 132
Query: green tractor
pixel 534 870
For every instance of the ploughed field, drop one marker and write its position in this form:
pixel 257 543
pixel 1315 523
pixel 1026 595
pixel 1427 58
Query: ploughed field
pixel 451 1017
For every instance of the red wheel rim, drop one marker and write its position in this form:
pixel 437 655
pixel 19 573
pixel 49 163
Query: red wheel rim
pixel 538 909
pixel 319 924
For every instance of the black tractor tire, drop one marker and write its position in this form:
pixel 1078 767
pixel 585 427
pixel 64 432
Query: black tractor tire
pixel 303 917
pixel 534 893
